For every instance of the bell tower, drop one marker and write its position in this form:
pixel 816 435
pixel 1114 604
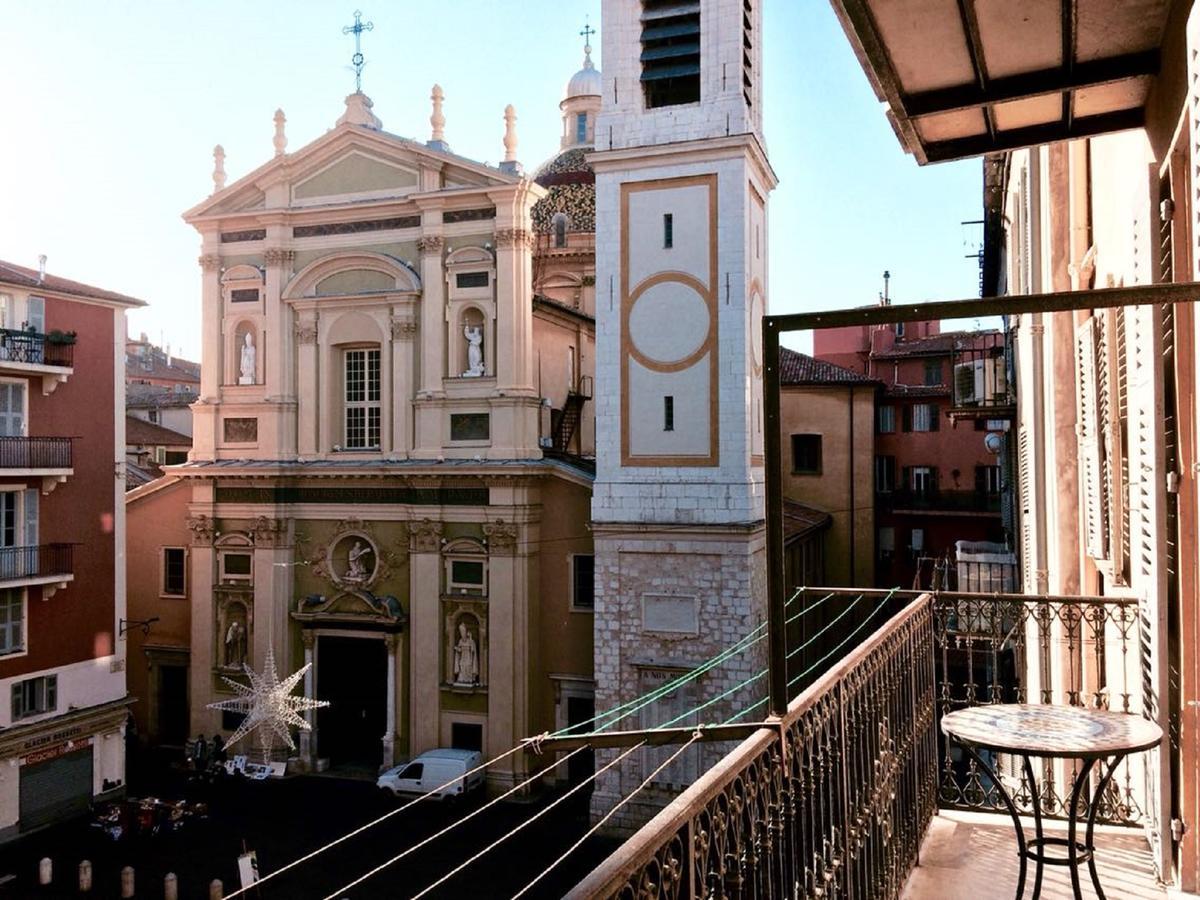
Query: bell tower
pixel 682 181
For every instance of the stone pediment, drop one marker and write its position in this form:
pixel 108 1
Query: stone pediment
pixel 357 174
pixel 352 606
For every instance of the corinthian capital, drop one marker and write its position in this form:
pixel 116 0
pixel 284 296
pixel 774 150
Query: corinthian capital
pixel 277 255
pixel 431 245
pixel 209 262
pixel 513 237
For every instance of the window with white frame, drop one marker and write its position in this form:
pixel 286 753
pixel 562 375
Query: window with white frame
pixel 466 575
pixel 581 128
pixel 922 480
pixel 924 417
pixel 12 621
pixel 237 566
pixel 12 408
pixel 34 696
pixel 885 419
pixel 885 474
pixel 362 399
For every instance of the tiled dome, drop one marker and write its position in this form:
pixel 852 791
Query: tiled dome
pixel 572 190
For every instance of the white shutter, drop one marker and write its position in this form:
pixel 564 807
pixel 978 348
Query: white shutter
pixel 1091 478
pixel 12 409
pixel 1026 504
pixel 35 314
pixel 1112 408
pixel 29 505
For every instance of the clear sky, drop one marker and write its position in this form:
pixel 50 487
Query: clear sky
pixel 112 109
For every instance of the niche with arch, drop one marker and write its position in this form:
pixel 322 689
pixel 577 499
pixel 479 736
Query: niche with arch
pixel 244 359
pixel 471 313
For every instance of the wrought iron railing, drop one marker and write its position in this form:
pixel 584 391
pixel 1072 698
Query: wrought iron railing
pixel 36 561
pixel 831 802
pixel 939 501
pixel 35 453
pixel 36 348
pixel 980 372
pixel 1081 651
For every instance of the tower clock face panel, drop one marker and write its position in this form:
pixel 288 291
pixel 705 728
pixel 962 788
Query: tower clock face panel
pixel 669 329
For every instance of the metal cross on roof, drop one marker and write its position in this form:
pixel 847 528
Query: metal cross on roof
pixel 357 59
pixel 587 33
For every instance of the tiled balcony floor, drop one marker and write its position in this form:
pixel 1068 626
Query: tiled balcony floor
pixel 974 855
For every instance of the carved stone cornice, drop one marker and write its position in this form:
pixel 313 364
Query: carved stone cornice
pixel 203 530
pixel 210 262
pixel 425 536
pixel 404 329
pixel 306 332
pixel 501 537
pixel 270 532
pixel 514 237
pixel 431 245
pixel 277 255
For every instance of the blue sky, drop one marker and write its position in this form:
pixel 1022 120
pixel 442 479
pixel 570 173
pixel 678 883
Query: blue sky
pixel 111 121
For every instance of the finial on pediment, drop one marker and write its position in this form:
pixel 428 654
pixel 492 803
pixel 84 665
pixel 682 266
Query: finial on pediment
pixel 510 164
pixel 218 174
pixel 437 121
pixel 280 140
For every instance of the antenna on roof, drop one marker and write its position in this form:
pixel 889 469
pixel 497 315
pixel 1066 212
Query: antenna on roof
pixel 887 277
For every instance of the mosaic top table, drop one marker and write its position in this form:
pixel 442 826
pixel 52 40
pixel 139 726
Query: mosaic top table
pixel 1089 735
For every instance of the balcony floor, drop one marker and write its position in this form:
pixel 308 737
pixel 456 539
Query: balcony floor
pixel 974 855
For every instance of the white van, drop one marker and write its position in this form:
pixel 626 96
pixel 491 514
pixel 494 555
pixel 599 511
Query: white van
pixel 435 770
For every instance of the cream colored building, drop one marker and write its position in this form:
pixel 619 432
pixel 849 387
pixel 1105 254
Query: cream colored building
pixel 374 486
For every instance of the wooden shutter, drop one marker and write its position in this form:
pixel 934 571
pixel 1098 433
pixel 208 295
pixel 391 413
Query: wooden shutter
pixel 934 414
pixel 1087 426
pixel 1112 409
pixel 906 417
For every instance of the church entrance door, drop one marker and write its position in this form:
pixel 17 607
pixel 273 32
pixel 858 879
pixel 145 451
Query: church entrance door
pixel 352 677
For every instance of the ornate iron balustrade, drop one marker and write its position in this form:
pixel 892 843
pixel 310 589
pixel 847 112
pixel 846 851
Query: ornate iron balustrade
pixel 34 348
pixel 1081 651
pixel 831 802
pixel 35 453
pixel 36 561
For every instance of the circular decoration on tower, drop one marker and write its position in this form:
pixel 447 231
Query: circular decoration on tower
pixel 669 323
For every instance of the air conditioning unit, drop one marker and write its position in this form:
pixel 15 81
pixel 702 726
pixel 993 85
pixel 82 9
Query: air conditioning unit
pixel 969 383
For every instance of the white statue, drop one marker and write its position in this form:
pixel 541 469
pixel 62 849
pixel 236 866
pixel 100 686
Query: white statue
pixel 235 644
pixel 474 336
pixel 466 657
pixel 248 355
pixel 357 570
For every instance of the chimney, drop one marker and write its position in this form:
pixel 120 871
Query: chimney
pixel 887 277
pixel 41 267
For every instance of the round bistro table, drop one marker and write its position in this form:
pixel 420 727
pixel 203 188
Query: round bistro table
pixel 1091 735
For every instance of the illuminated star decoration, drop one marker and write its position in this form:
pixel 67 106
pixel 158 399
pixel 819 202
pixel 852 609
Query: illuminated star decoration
pixel 270 707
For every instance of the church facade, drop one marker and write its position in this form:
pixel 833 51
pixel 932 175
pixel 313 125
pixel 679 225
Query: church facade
pixel 392 466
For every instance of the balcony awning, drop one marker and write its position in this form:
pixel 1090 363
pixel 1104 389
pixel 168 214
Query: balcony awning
pixel 963 78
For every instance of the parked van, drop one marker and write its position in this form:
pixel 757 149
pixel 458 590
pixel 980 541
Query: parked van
pixel 435 770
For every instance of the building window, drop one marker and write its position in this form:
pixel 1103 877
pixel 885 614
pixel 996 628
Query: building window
pixel 670 52
pixel 583 583
pixel 581 128
pixel 922 480
pixel 237 567
pixel 466 736
pixel 899 329
pixel 152 417
pixel 885 474
pixel 921 417
pixel 12 621
pixel 917 541
pixel 174 571
pixel 885 419
pixel 560 230
pixel 34 696
pixel 933 373
pixel 466 576
pixel 35 314
pixel 806 454
pixel 362 399
pixel 886 543
pixel 668 413
pixel 668 230
pixel 988 480
pixel 12 408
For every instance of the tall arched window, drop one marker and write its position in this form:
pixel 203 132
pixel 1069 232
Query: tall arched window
pixel 560 230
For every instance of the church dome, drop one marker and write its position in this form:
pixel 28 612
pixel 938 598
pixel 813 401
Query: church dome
pixel 586 82
pixel 571 186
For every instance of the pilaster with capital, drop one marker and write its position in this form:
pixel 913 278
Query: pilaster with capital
pixel 424 633
pixel 404 328
pixel 210 331
pixel 514 309
pixel 307 394
pixel 279 272
pixel 433 303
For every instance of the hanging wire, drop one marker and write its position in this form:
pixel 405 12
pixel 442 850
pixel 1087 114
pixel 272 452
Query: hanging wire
pixel 371 824
pixel 504 837
pixel 608 815
pixel 846 639
pixel 455 823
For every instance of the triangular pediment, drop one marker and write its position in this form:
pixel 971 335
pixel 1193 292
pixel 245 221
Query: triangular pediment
pixel 357 174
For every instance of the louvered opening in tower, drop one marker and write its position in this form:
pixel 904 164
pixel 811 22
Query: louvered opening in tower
pixel 670 52
pixel 748 51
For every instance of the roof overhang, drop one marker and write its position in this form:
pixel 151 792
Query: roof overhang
pixel 963 78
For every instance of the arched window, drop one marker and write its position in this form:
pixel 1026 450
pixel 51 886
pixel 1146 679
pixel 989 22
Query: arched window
pixel 559 222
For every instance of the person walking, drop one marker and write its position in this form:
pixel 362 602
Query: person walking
pixel 200 754
pixel 219 754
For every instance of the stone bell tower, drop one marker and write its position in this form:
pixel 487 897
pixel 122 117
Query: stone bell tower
pixel 682 181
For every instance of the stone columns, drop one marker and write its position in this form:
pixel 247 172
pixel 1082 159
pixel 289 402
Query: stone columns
pixel 278 337
pixel 514 310
pixel 389 735
pixel 308 369
pixel 308 739
pixel 203 625
pixel 272 589
pixel 508 653
pixel 404 330
pixel 433 305
pixel 425 634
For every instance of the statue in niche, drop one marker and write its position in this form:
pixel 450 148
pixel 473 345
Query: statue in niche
pixel 466 657
pixel 249 354
pixel 474 336
pixel 235 644
pixel 356 569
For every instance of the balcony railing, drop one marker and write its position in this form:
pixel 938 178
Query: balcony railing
pixel 36 561
pixel 981 381
pixel 34 348
pixel 831 803
pixel 939 501
pixel 35 453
